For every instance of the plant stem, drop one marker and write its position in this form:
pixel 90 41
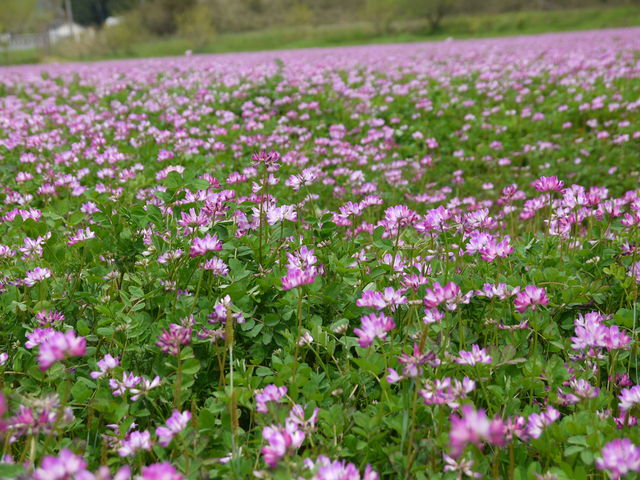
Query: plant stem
pixel 233 407
pixel 176 394
pixel 412 432
pixel 296 340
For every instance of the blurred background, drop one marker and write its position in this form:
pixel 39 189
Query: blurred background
pixel 54 30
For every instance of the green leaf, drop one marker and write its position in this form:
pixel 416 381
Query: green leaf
pixel 82 328
pixel 174 180
pixel 238 269
pixel 572 450
pixel 199 184
pixel 80 392
pixel 264 371
pixel 11 471
pixel 191 366
pixel 624 317
pixel 136 292
pixel 76 217
pixel 587 457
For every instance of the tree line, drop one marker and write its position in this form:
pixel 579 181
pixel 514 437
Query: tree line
pixel 199 17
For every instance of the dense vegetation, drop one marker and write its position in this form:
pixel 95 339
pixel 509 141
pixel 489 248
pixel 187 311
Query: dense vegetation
pixel 377 262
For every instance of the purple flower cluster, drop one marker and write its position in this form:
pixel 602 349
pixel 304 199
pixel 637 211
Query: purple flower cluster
pixel 301 269
pixel 592 334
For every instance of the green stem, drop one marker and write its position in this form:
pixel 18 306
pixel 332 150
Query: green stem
pixel 296 340
pixel 484 390
pixel 412 432
pixel 195 299
pixel 230 338
pixel 178 387
pixel 63 404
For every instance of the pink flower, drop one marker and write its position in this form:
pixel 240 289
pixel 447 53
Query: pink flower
pixel 591 333
pixel 270 393
pixel 59 346
pixel 193 219
pixel 412 364
pixel 301 268
pixel 548 184
pixel 474 427
pixel 38 337
pixel 488 246
pixel 216 266
pixel 477 355
pixel 33 248
pixel 461 466
pixel 142 387
pixel 619 457
pixel 120 387
pixel 616 339
pixel 160 471
pixel 629 397
pixel 279 214
pixel 280 442
pixel 447 391
pixel 372 299
pixel 297 417
pixel 6 252
pixel 538 421
pixel 582 389
pixel 174 425
pixel 81 236
pixel 65 465
pixel 388 298
pixel 450 295
pixel 221 310
pixel 634 271
pixel 170 341
pixel 268 159
pixel 133 442
pixel 373 326
pixel 36 275
pixel 208 243
pixel 531 296
pixel 500 291
pixel 302 259
pixel 340 470
pixel 296 278
pixel 107 363
pixel 46 317
pixel 398 216
pixel 432 315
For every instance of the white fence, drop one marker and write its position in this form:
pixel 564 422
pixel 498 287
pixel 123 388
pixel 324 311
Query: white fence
pixel 23 41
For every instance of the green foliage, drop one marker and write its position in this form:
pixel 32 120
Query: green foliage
pixel 382 13
pixel 197 26
pixel 152 145
pixel 18 16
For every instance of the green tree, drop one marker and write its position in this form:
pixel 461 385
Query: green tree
pixel 299 14
pixel 434 11
pixel 17 16
pixel 160 17
pixel 197 26
pixel 382 13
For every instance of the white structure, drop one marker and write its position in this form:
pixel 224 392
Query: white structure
pixel 112 21
pixel 66 30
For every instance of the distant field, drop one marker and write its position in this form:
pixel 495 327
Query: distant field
pixel 360 33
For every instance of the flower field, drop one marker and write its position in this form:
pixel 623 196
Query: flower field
pixel 386 262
